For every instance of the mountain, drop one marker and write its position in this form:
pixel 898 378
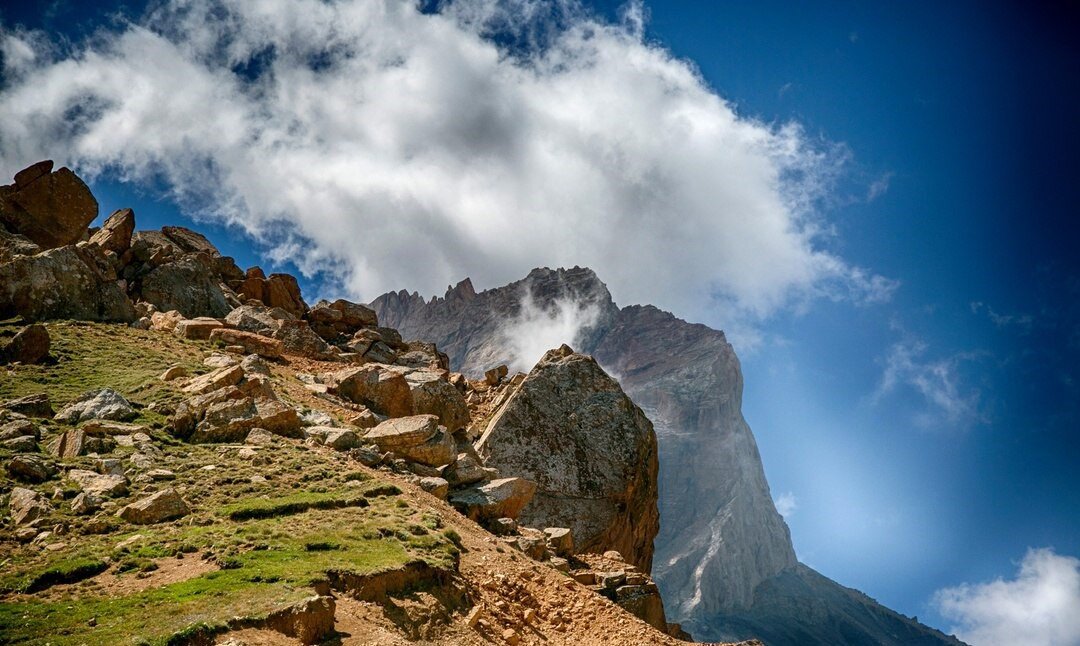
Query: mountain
pixel 724 561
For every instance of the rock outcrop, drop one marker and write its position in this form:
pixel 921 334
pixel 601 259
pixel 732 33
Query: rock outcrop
pixel 51 209
pixel 591 452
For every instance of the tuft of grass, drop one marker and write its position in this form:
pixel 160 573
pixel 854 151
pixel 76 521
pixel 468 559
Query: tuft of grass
pixel 66 571
pixel 291 504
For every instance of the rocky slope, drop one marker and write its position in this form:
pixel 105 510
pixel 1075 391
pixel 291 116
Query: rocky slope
pixel 225 464
pixel 722 547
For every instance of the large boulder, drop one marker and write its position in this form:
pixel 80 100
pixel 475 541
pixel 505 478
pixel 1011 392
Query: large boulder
pixel 188 285
pixel 29 345
pixel 379 387
pixel 36 405
pixel 52 209
pixel 256 318
pixel 251 342
pixel 13 244
pixel 161 506
pixel 28 507
pixel 72 282
pixel 104 403
pixel 591 452
pixel 30 468
pixel 299 339
pixel 417 438
pixel 115 233
pixel 503 498
pixel 279 290
pixel 99 484
pixel 433 394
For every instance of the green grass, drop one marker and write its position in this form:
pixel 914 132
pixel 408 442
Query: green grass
pixel 272 563
pixel 90 356
pixel 291 504
pixel 68 570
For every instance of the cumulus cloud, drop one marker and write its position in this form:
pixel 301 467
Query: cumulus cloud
pixel 938 382
pixel 535 329
pixel 391 147
pixel 786 504
pixel 1038 606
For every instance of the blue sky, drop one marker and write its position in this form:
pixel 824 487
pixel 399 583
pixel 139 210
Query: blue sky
pixel 925 441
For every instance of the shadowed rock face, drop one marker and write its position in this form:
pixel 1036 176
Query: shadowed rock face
pixel 591 452
pixel 722 546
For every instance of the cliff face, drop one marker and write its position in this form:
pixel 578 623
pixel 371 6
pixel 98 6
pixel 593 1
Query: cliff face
pixel 723 557
pixel 720 535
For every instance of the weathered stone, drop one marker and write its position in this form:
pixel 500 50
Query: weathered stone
pixel 298 339
pixel 173 373
pixel 70 444
pixel 98 484
pixel 30 468
pixel 84 504
pixel 251 343
pixel 51 209
pixel 107 427
pixel 435 486
pixel 198 328
pixel 221 360
pixel 495 376
pixel 165 321
pixel 260 437
pixel 37 405
pixel 72 282
pixel 161 506
pixel 220 378
pixel 28 507
pixel 19 427
pixel 188 285
pixel 341 439
pixel 497 499
pixel 466 470
pixel 278 418
pixel 21 444
pixel 380 388
pixel 591 451
pixel 561 540
pixel 229 420
pixel 104 403
pixel 433 394
pixel 29 345
pixel 402 433
pixel 115 233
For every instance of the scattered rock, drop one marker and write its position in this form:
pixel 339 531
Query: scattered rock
pixel 432 393
pixel 435 486
pixel 380 388
pixel 418 438
pixel 30 468
pixel 104 403
pixel 250 342
pixel 28 507
pixel 173 373
pixel 341 439
pixel 37 405
pixel 84 504
pixel 211 381
pixel 165 321
pixel 115 233
pixel 561 540
pixel 198 328
pixel 161 506
pixel 188 285
pixel 497 499
pixel 466 470
pixel 97 484
pixel 260 437
pixel 495 376
pixel 30 345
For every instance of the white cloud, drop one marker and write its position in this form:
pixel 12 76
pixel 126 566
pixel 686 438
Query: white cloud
pixel 786 504
pixel 536 330
pixel 394 148
pixel 938 382
pixel 878 187
pixel 1023 322
pixel 1040 606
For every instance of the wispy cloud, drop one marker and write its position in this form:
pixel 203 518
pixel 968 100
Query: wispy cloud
pixel 397 148
pixel 535 330
pixel 879 186
pixel 1022 322
pixel 1041 605
pixel 786 504
pixel 946 399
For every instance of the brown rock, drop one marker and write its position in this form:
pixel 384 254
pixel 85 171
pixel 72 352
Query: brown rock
pixel 51 209
pixel 98 484
pixel 37 405
pixel 502 498
pixel 29 345
pixel 252 343
pixel 299 339
pixel 592 453
pixel 161 506
pixel 28 507
pixel 72 282
pixel 173 373
pixel 115 233
pixel 403 433
pixel 220 378
pixel 380 388
pixel 199 328
pixel 165 321
pixel 433 394
pixel 435 486
pixel 30 468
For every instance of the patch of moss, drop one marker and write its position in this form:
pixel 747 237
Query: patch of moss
pixel 68 570
pixel 291 504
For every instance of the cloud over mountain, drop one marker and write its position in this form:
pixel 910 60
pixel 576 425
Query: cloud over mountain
pixel 393 146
